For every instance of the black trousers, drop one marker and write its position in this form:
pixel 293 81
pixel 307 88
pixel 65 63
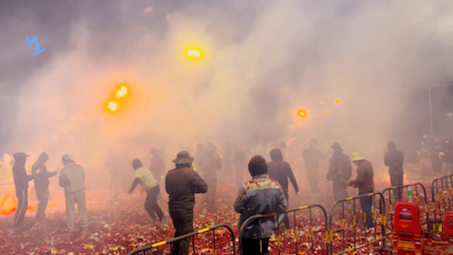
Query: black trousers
pixel 252 246
pixel 312 177
pixel 151 205
pixel 22 206
pixel 183 223
pixel 396 180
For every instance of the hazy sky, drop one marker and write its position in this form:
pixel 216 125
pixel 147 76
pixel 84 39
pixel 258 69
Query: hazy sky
pixel 261 61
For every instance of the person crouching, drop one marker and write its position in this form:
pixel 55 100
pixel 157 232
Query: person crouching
pixel 261 195
pixel 145 178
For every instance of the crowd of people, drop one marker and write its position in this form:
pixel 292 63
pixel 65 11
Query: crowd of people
pixel 266 192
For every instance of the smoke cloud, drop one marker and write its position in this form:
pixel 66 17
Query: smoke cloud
pixel 261 62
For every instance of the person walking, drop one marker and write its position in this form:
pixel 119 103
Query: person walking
pixel 261 195
pixel 181 184
pixel 42 182
pixel 365 184
pixel 208 166
pixel 281 171
pixel 311 157
pixel 240 163
pixel 394 159
pixel 157 165
pixel 145 178
pixel 72 179
pixel 21 180
pixel 339 172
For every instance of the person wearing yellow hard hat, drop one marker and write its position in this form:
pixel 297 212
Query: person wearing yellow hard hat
pixel 365 183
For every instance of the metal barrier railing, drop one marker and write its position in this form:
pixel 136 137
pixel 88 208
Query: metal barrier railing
pixel 441 187
pixel 382 223
pixel 259 217
pixel 400 190
pixel 149 249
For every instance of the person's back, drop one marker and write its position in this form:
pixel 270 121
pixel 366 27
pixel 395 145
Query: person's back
pixel 311 157
pixel 281 171
pixel 262 195
pixel 75 176
pixel 340 166
pixel 394 159
pixel 209 163
pixel 181 184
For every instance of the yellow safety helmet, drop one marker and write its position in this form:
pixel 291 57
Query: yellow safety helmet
pixel 356 156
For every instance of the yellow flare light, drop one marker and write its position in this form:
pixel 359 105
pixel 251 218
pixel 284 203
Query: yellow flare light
pixel 193 53
pixel 122 91
pixel 337 101
pixel 112 106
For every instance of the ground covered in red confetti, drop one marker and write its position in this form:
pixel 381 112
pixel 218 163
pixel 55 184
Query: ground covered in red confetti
pixel 119 227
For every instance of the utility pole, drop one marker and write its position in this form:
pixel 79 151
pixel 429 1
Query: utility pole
pixel 431 128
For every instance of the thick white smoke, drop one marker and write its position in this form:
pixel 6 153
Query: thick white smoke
pixel 260 63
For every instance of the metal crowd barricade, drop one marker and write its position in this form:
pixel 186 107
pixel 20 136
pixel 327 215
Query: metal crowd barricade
pixel 259 217
pixel 150 249
pixel 382 223
pixel 441 187
pixel 400 189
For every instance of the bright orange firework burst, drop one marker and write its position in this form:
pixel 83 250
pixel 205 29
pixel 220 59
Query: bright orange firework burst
pixel 116 98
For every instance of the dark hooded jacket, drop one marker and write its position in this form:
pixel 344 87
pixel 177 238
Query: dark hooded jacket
pixel 157 166
pixel 42 179
pixel 340 167
pixel 281 171
pixel 21 178
pixel 394 159
pixel 312 156
pixel 209 163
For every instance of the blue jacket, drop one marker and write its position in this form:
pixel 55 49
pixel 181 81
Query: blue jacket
pixel 262 195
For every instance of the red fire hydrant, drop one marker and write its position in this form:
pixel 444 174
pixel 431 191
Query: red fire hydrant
pixel 407 231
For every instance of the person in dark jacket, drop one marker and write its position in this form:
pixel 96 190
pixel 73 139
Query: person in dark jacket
pixel 281 171
pixel 365 184
pixel 240 163
pixel 312 156
pixel 394 159
pixel 181 184
pixel 208 165
pixel 42 182
pixel 157 166
pixel 21 180
pixel 339 172
pixel 261 195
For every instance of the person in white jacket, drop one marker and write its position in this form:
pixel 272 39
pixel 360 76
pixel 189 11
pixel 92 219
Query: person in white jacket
pixel 72 178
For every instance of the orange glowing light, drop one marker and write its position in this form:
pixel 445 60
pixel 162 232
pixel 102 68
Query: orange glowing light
pixel 112 106
pixel 302 113
pixel 326 112
pixel 122 91
pixel 7 205
pixel 337 101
